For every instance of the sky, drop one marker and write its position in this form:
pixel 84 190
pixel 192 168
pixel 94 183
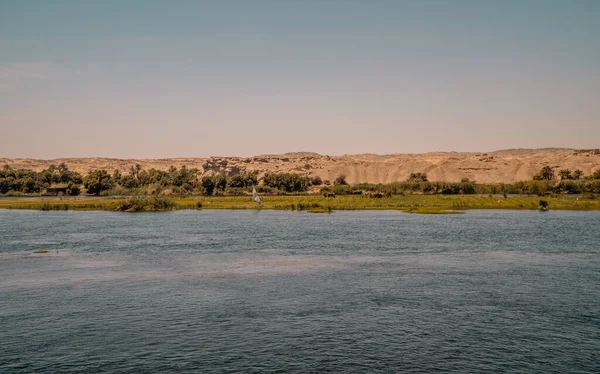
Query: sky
pixel 159 79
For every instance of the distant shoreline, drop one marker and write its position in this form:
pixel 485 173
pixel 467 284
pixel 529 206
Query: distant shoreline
pixel 425 204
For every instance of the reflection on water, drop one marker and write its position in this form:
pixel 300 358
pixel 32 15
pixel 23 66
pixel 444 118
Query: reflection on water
pixel 201 291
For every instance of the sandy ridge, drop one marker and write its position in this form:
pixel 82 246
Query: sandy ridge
pixel 506 166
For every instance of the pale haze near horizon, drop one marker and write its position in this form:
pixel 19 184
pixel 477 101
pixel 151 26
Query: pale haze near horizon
pixel 157 79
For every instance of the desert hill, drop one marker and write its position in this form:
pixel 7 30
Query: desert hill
pixel 506 166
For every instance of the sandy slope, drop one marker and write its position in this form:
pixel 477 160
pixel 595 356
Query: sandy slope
pixel 493 167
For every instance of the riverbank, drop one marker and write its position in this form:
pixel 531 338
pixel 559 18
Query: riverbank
pixel 318 204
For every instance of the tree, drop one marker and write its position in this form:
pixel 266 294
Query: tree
pixel 417 177
pixel 340 180
pixel 4 185
pixel 565 174
pixel 577 174
pixel 220 181
pixel 208 184
pixel 97 181
pixel 286 181
pixel 242 180
pixel 547 173
pixel 134 171
pixel 62 168
pixel 596 174
pixel 117 176
pixel 537 188
pixel 28 185
pixel 316 181
pixel 129 181
pixel 73 189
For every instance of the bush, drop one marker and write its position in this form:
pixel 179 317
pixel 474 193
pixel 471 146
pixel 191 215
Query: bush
pixel 537 187
pixel 316 181
pixel 141 204
pixel 417 177
pixel 340 180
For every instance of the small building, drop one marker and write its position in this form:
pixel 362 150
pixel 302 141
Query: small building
pixel 56 190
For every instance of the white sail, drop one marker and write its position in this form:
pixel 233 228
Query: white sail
pixel 255 195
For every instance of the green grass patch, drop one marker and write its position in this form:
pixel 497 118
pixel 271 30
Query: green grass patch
pixel 425 204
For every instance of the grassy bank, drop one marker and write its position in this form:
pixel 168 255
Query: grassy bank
pixel 409 203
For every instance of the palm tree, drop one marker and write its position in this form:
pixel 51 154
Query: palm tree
pixel 547 173
pixel 564 174
pixel 577 174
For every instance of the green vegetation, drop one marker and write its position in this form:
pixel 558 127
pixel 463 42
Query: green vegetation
pixel 186 181
pixel 286 182
pixel 97 181
pixel 340 181
pixel 546 174
pixel 27 181
pixel 418 177
pixel 405 203
pixel 152 204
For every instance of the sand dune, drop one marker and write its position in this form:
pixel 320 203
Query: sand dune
pixel 506 166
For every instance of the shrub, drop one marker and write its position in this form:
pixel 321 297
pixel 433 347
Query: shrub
pixel 340 180
pixel 417 177
pixel 537 187
pixel 140 204
pixel 316 181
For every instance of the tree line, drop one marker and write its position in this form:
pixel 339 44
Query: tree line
pixel 187 181
pixel 29 181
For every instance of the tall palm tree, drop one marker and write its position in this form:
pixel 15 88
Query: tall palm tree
pixel 547 173
pixel 564 174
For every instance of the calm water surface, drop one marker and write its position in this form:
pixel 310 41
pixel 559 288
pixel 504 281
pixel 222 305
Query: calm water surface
pixel 268 291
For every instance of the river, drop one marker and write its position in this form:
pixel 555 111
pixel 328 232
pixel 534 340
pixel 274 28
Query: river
pixel 278 291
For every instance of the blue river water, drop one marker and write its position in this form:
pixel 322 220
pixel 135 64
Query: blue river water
pixel 273 291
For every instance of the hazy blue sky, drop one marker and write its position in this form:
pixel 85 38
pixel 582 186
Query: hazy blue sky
pixel 199 78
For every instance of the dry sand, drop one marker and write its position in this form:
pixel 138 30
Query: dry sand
pixel 506 166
